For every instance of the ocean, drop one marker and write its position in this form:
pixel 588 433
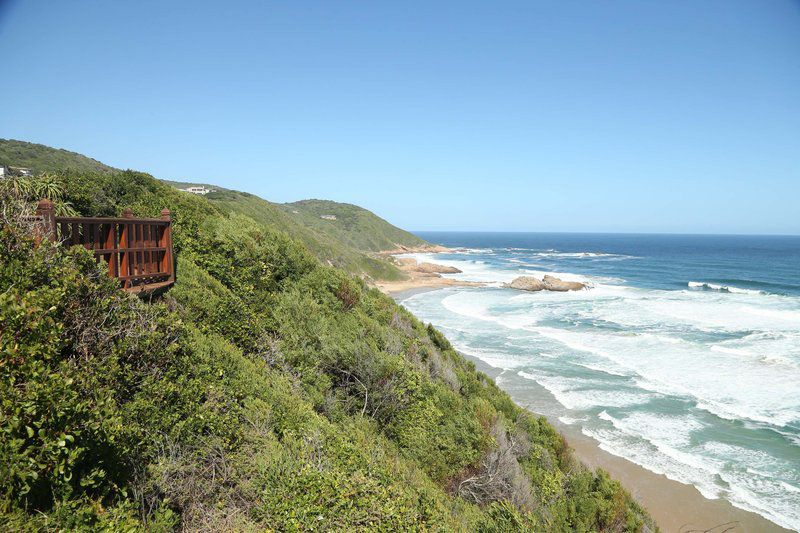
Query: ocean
pixel 683 356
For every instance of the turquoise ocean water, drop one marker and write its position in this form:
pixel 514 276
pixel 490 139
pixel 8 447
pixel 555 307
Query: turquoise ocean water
pixel 683 356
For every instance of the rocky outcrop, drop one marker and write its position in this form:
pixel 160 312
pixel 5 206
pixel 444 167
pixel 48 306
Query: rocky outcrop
pixel 526 283
pixel 410 264
pixel 423 275
pixel 552 283
pixel 548 283
pixel 432 268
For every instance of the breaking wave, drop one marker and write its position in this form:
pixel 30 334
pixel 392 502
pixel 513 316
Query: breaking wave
pixel 699 384
pixel 722 288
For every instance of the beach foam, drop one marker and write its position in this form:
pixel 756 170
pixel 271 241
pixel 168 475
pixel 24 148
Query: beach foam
pixel 584 394
pixel 722 288
pixel 661 377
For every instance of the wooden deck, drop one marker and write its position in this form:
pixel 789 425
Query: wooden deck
pixel 138 251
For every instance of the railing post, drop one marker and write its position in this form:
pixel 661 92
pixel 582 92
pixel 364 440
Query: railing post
pixel 124 244
pixel 110 245
pixel 168 265
pixel 138 250
pixel 47 212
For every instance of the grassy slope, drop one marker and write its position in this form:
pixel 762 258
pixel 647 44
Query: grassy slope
pixel 334 249
pixel 344 249
pixel 43 158
pixel 184 184
pixel 360 228
pixel 265 391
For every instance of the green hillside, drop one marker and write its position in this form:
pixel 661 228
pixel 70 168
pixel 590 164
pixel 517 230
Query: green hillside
pixel 333 248
pixel 361 229
pixel 41 158
pixel 342 246
pixel 265 391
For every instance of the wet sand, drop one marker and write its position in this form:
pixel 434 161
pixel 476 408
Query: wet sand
pixel 408 292
pixel 421 282
pixel 676 507
pixel 416 280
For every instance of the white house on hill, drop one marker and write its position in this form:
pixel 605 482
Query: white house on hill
pixel 198 190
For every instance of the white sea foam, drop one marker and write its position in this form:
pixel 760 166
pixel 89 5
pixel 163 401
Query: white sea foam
pixel 779 347
pixel 600 368
pixel 669 431
pixel 528 264
pixel 728 388
pixel 584 394
pixel 782 315
pixel 725 388
pixel 722 288
pixel 652 458
pixel 745 488
pixel 580 255
pixel 464 304
pixel 790 488
pixel 492 358
pixel 571 421
pixel 473 251
pixel 777 360
pixel 481 271
pixel 732 351
pixel 704 311
pixel 619 358
pixel 755 474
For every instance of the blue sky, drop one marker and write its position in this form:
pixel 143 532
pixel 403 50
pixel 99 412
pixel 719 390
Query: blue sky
pixel 632 116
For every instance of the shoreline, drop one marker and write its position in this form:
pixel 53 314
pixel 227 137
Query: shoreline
pixel 420 283
pixel 418 279
pixel 424 249
pixel 675 506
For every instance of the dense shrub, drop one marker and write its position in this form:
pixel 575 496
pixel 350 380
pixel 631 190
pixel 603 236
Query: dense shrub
pixel 264 391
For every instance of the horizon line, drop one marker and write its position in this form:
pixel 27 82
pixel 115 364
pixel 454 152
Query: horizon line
pixel 662 233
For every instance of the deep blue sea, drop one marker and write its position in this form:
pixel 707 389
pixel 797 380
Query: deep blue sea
pixel 683 356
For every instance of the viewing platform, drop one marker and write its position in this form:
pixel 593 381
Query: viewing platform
pixel 138 251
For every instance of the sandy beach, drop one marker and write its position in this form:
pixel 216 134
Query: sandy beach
pixel 418 277
pixel 675 506
pixel 419 281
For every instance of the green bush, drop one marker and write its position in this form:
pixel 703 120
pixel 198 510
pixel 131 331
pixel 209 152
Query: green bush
pixel 265 390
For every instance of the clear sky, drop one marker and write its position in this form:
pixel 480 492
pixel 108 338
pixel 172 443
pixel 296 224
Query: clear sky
pixel 634 116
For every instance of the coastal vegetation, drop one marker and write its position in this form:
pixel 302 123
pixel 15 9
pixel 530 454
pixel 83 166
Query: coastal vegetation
pixel 348 242
pixel 40 158
pixel 329 243
pixel 358 227
pixel 266 390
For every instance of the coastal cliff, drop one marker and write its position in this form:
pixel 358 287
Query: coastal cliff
pixel 266 390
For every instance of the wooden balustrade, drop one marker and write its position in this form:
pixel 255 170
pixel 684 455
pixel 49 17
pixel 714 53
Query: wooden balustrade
pixel 138 251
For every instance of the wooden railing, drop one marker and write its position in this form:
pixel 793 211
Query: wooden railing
pixel 138 251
